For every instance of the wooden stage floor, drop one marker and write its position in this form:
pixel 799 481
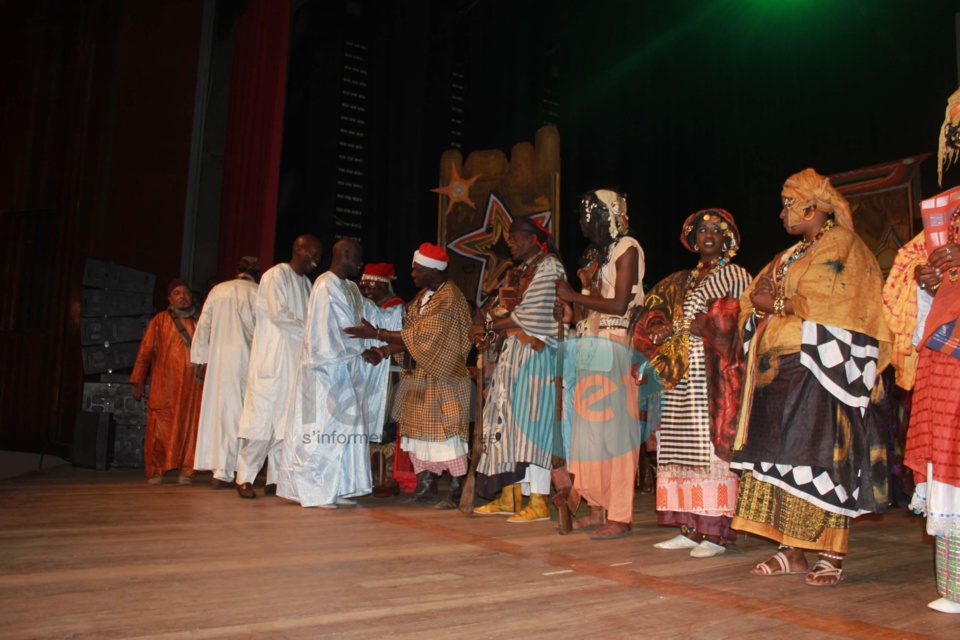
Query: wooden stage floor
pixel 93 554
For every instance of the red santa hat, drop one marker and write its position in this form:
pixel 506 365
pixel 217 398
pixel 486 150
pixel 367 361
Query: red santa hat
pixel 432 256
pixel 379 272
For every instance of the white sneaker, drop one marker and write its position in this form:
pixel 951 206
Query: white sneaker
pixel 346 502
pixel 679 541
pixel 707 549
pixel 945 606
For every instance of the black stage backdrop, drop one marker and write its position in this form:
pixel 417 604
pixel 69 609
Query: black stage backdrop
pixel 682 105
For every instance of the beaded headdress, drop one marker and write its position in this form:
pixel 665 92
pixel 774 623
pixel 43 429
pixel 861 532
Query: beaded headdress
pixel 610 204
pixel 724 220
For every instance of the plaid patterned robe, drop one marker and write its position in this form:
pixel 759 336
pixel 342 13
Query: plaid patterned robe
pixel 433 400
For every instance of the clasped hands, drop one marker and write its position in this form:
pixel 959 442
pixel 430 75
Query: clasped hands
pixel 366 331
pixel 764 294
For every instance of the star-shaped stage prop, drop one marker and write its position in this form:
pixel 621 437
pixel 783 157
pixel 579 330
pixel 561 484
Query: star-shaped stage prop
pixel 457 190
pixel 488 245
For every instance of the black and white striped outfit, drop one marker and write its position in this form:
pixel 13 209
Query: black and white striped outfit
pixel 512 431
pixel 685 422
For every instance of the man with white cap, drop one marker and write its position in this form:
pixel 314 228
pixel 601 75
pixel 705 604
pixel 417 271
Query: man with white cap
pixel 221 348
pixel 432 402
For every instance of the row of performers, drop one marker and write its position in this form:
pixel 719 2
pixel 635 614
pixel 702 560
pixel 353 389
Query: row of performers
pixel 765 392
pixel 769 410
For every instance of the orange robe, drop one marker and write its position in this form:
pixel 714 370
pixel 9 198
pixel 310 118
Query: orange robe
pixel 173 405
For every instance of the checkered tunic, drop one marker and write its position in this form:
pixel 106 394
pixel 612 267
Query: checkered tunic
pixel 432 402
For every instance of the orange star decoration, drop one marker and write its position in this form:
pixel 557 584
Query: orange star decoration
pixel 457 190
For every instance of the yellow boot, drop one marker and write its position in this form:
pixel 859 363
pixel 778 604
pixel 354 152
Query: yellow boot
pixel 537 509
pixel 505 505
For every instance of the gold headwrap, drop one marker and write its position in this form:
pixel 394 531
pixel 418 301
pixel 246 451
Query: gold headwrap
pixel 808 188
pixel 948 151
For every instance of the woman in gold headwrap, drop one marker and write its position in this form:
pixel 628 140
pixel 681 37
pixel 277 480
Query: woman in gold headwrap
pixel 810 443
pixel 692 316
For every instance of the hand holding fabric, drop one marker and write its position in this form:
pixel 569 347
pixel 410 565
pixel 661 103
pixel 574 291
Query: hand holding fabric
pixel 945 257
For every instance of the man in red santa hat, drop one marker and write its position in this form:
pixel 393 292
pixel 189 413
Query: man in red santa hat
pixel 392 469
pixel 376 284
pixel 432 403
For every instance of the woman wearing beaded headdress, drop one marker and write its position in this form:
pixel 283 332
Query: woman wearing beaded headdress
pixel 691 324
pixel 605 442
pixel 922 305
pixel 810 441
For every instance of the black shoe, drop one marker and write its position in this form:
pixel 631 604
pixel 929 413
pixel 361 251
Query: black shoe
pixel 452 499
pixel 426 490
pixel 270 490
pixel 246 490
pixel 217 483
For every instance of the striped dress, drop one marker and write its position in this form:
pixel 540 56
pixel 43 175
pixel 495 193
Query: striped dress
pixel 690 477
pixel 517 430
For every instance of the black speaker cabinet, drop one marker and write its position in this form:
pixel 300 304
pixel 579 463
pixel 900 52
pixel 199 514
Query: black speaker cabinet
pixel 93 436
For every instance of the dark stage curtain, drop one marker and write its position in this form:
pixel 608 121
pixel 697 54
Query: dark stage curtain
pixel 251 164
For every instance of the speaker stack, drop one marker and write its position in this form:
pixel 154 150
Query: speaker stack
pixel 115 308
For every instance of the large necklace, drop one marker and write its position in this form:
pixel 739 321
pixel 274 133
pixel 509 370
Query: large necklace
pixel 714 265
pixel 803 246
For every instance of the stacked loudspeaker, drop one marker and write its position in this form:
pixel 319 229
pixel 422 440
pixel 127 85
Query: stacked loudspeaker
pixel 115 309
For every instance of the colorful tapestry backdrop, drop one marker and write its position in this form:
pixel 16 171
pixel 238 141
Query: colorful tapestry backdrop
pixel 884 200
pixel 480 197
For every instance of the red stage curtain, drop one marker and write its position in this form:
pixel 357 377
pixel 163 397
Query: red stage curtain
pixel 251 164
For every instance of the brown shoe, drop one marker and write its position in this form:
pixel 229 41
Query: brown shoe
pixel 597 518
pixel 613 530
pixel 246 490
pixel 270 490
pixel 217 483
pixel 388 488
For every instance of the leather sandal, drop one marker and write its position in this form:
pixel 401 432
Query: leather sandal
pixel 783 566
pixel 824 569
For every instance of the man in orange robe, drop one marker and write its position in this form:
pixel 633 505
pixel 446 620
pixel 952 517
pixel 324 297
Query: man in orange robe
pixel 173 405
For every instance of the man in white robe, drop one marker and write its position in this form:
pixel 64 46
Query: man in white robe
pixel 221 346
pixel 339 399
pixel 275 353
